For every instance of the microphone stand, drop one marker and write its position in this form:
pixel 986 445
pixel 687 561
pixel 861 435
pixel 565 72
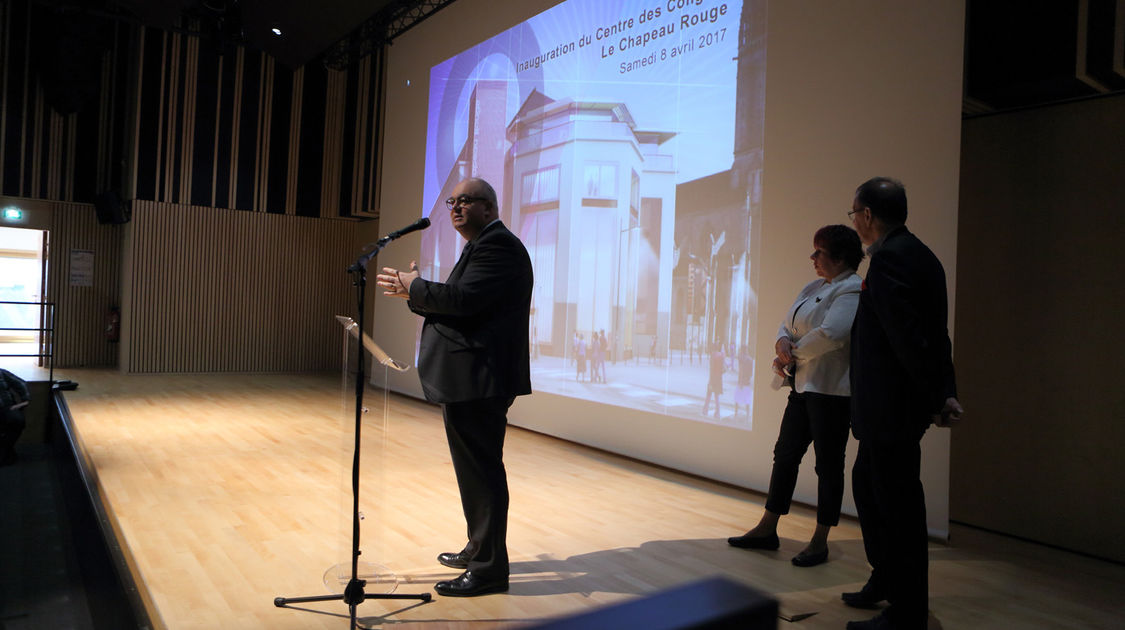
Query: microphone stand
pixel 354 594
pixel 360 266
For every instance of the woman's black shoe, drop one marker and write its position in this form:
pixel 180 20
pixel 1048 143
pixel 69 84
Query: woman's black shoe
pixel 746 541
pixel 810 559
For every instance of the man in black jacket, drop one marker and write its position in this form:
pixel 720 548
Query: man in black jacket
pixel 474 360
pixel 902 381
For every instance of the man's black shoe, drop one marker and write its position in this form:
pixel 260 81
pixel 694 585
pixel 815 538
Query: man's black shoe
pixel 867 597
pixel 469 585
pixel 454 560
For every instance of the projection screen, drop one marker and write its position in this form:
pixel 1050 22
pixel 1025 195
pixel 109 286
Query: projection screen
pixel 627 144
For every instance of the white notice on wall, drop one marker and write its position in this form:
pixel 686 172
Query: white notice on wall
pixel 81 268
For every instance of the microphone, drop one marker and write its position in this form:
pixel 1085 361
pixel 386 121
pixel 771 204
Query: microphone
pixel 420 224
pixel 361 263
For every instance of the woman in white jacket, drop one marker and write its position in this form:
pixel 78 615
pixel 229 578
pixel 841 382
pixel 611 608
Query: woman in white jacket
pixel 812 357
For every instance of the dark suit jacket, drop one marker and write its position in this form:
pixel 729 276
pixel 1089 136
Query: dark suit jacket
pixel 901 360
pixel 474 341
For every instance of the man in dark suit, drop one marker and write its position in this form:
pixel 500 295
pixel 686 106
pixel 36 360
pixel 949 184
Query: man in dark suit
pixel 474 361
pixel 902 381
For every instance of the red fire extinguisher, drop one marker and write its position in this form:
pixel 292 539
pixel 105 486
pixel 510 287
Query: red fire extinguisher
pixel 113 325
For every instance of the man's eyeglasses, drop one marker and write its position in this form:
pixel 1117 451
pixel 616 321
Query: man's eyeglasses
pixel 852 212
pixel 463 200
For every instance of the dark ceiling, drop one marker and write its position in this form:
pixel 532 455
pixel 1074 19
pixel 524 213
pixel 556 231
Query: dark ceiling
pixel 1024 53
pixel 1018 53
pixel 308 27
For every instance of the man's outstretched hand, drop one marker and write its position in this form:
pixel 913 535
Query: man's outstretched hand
pixel 396 283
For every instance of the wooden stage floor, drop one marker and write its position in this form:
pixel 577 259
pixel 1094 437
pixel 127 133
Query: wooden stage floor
pixel 226 491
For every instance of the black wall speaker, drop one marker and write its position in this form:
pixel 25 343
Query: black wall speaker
pixel 111 209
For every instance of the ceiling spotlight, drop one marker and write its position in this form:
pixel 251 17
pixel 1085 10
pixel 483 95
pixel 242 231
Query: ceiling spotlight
pixel 276 30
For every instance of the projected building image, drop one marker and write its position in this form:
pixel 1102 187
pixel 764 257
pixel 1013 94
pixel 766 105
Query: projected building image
pixel 639 220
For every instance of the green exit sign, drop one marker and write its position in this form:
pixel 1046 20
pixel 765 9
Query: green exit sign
pixel 13 214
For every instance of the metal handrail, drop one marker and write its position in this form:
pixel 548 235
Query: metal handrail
pixel 47 334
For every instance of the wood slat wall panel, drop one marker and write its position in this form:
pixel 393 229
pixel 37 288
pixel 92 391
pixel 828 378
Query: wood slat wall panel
pixel 81 313
pixel 169 119
pixel 213 290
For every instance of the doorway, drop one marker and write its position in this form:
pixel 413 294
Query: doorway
pixel 23 283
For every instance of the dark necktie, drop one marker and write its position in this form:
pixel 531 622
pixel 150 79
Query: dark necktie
pixel 464 254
